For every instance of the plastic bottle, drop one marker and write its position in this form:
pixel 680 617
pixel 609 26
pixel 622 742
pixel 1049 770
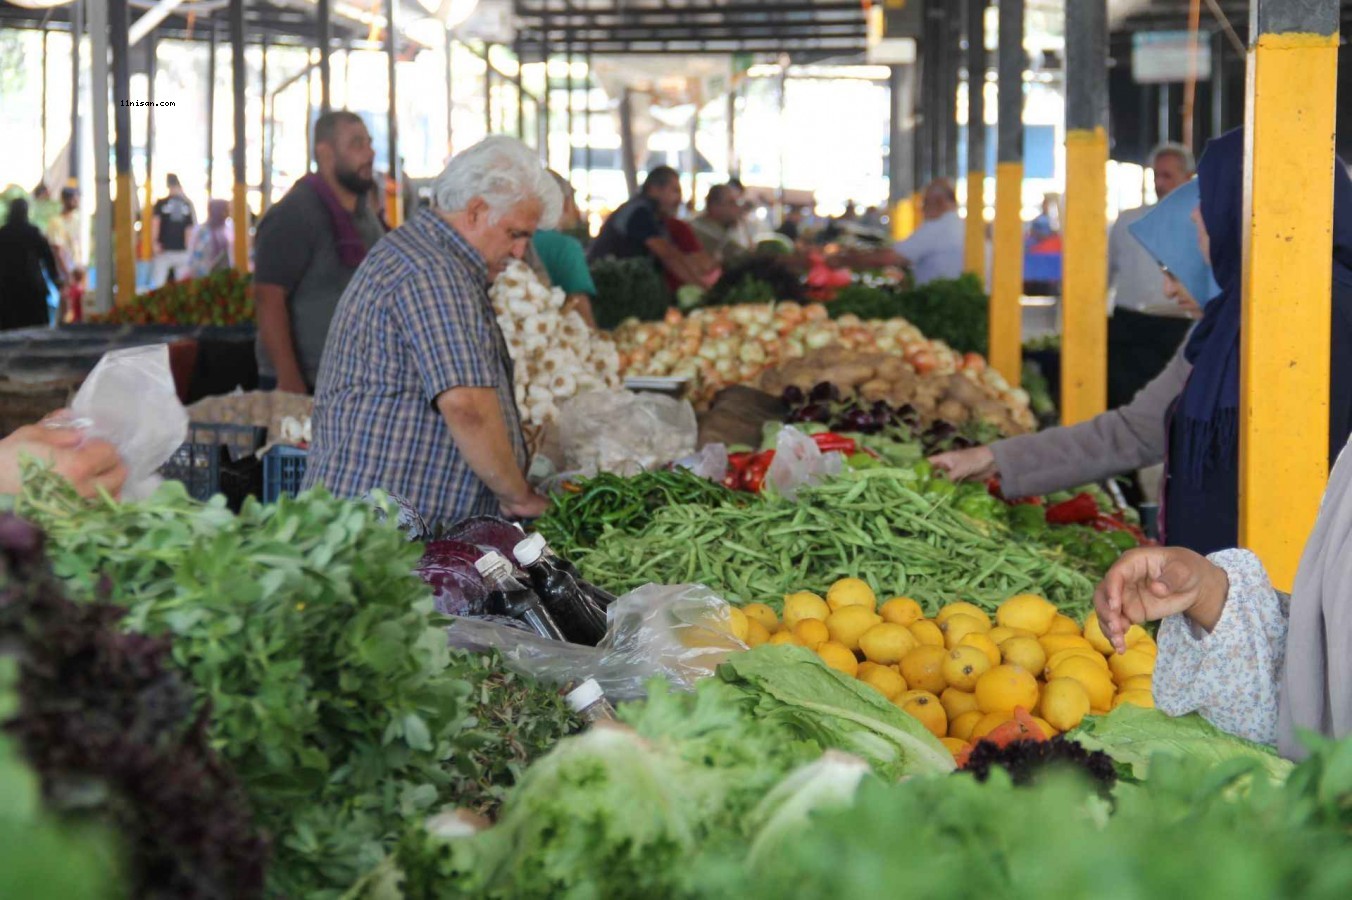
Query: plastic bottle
pixel 589 702
pixel 582 619
pixel 602 597
pixel 510 598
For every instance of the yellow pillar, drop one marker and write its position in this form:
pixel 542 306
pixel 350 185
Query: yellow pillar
pixel 917 208
pixel 239 213
pixel 1006 313
pixel 1084 278
pixel 974 242
pixel 903 219
pixel 147 249
pixel 394 208
pixel 1284 368
pixel 123 244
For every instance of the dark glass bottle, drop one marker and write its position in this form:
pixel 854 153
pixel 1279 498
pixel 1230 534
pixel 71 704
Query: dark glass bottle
pixel 510 598
pixel 582 619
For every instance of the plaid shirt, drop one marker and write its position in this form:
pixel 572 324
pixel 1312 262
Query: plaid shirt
pixel 414 322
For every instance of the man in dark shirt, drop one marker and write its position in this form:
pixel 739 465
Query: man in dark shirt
pixel 636 229
pixel 308 247
pixel 169 232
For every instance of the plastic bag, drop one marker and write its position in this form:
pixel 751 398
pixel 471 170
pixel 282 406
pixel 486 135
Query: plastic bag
pixel 710 463
pixel 130 401
pixel 799 462
pixel 680 632
pixel 625 432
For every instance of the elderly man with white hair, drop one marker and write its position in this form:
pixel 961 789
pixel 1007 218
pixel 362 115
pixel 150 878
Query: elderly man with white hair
pixel 415 389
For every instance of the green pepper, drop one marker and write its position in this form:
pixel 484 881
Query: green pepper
pixel 1027 519
pixel 923 468
pixel 862 461
pixel 1122 540
pixel 981 506
pixel 940 487
pixel 1102 554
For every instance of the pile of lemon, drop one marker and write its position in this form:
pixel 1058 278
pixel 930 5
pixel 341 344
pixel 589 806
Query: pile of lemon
pixel 959 673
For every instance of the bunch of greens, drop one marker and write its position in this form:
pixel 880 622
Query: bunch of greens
pixel 759 278
pixel 331 692
pixel 628 289
pixel 221 298
pixel 954 311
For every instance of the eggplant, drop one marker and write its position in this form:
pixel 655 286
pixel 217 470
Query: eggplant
pixel 940 431
pixel 824 392
pixel 793 395
pixel 813 412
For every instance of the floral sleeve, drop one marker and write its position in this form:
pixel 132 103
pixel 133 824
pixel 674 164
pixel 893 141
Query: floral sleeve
pixel 1231 676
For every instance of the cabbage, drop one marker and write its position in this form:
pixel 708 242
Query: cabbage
pixel 457 588
pixel 489 533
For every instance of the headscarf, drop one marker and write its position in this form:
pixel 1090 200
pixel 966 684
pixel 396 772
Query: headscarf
pixel 218 231
pixel 18 213
pixel 1168 234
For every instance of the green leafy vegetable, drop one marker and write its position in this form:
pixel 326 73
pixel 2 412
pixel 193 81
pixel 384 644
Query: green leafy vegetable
pixel 950 310
pixel 628 288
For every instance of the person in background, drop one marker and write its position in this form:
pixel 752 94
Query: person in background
pixel 638 228
pixel 934 250
pixel 1144 329
pixel 1044 225
pixel 873 219
pixel 719 227
pixel 43 207
pixel 685 240
pixel 563 257
pixel 171 226
pixel 26 264
pixel 792 225
pixel 89 464
pixel 63 233
pixel 1188 415
pixel 746 231
pixel 850 214
pixel 308 246
pixel 213 243
pixel 415 391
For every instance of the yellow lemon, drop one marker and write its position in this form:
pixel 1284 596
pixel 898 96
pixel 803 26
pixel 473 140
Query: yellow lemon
pixel 887 643
pixel 884 678
pixel 1065 703
pixel 738 621
pixel 923 669
pixel 1004 688
pixel 1063 624
pixel 848 624
pixel 901 611
pixel 1083 652
pixel 803 605
pixel 927 633
pixel 957 702
pixel 1093 633
pixel 953 745
pixel 963 666
pixel 959 626
pixel 1046 727
pixel 851 592
pixel 1136 698
pixel 1053 643
pixel 961 727
pixel 988 723
pixel 756 633
pixel 1133 662
pixel 762 614
pixel 983 643
pixel 1098 683
pixel 1027 611
pixel 811 633
pixel 1137 683
pixel 1024 652
pixel 784 637
pixel 1001 633
pixel 927 708
pixel 963 608
pixel 839 657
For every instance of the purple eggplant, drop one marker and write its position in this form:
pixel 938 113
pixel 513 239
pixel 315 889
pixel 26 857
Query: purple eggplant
pixel 813 412
pixel 793 395
pixel 824 392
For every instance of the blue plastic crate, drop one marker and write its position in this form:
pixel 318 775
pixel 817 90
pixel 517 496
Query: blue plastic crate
pixel 211 450
pixel 283 471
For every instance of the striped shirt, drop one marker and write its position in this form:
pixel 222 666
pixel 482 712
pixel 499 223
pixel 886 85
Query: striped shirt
pixel 415 322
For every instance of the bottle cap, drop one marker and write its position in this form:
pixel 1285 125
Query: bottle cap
pixel 584 695
pixel 492 563
pixel 529 551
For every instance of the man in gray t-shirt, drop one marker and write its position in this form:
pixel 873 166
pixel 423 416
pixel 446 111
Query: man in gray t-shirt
pixel 307 248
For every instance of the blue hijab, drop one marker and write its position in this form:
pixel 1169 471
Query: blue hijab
pixel 1203 494
pixel 1168 234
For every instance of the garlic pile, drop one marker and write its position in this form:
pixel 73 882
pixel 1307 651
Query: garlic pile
pixel 556 355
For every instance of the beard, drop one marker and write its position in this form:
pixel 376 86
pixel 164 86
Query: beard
pixel 353 181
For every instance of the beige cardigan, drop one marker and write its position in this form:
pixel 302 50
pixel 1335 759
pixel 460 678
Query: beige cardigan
pixel 1118 441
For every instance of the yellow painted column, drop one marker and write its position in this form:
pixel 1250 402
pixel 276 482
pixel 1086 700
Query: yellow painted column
pixel 1006 313
pixel 123 243
pixel 974 242
pixel 394 208
pixel 1084 278
pixel 1284 368
pixel 147 249
pixel 903 219
pixel 917 208
pixel 239 213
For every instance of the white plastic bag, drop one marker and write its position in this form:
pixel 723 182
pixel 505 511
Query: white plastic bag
pixel 799 462
pixel 625 432
pixel 130 401
pixel 710 463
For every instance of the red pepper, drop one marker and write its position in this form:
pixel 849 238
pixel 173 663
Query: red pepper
pixel 1106 522
pixel 830 442
pixel 1081 509
pixel 737 463
pixel 753 477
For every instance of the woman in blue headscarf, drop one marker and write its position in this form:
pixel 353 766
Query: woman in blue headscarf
pixel 1201 496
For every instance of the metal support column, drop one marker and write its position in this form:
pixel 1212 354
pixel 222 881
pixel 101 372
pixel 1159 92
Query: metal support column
pixel 1006 311
pixel 520 95
pixel 733 167
pixel 450 93
pixel 147 249
pixel 694 154
pixel 123 221
pixel 1285 331
pixel 211 108
pixel 394 198
pixel 587 151
pixel 43 148
pixel 627 143
pixel 952 32
pixel 325 41
pixel 1084 324
pixel 568 109
pixel 488 89
pixel 931 67
pixel 76 35
pixel 239 206
pixel 901 151
pixel 1218 54
pixel 1163 113
pixel 974 241
pixel 264 200
pixel 103 209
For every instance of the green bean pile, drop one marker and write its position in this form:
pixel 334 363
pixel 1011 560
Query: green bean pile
pixel 869 524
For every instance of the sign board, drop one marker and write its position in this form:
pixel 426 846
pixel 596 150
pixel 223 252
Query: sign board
pixel 1161 57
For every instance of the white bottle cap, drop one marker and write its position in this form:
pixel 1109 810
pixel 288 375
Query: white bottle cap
pixel 584 695
pixel 492 563
pixel 529 551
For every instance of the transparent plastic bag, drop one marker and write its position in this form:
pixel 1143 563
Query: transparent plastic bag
pixel 799 462
pixel 625 432
pixel 681 632
pixel 130 401
pixel 711 462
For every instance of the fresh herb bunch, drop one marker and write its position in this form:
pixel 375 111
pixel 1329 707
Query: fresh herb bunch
pixel 628 288
pixel 950 310
pixel 759 278
pixel 109 725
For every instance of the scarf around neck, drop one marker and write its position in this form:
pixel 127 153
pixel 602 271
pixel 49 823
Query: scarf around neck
pixel 351 248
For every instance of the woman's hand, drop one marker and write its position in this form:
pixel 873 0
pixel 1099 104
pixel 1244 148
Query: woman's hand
pixel 1150 583
pixel 87 464
pixel 975 463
